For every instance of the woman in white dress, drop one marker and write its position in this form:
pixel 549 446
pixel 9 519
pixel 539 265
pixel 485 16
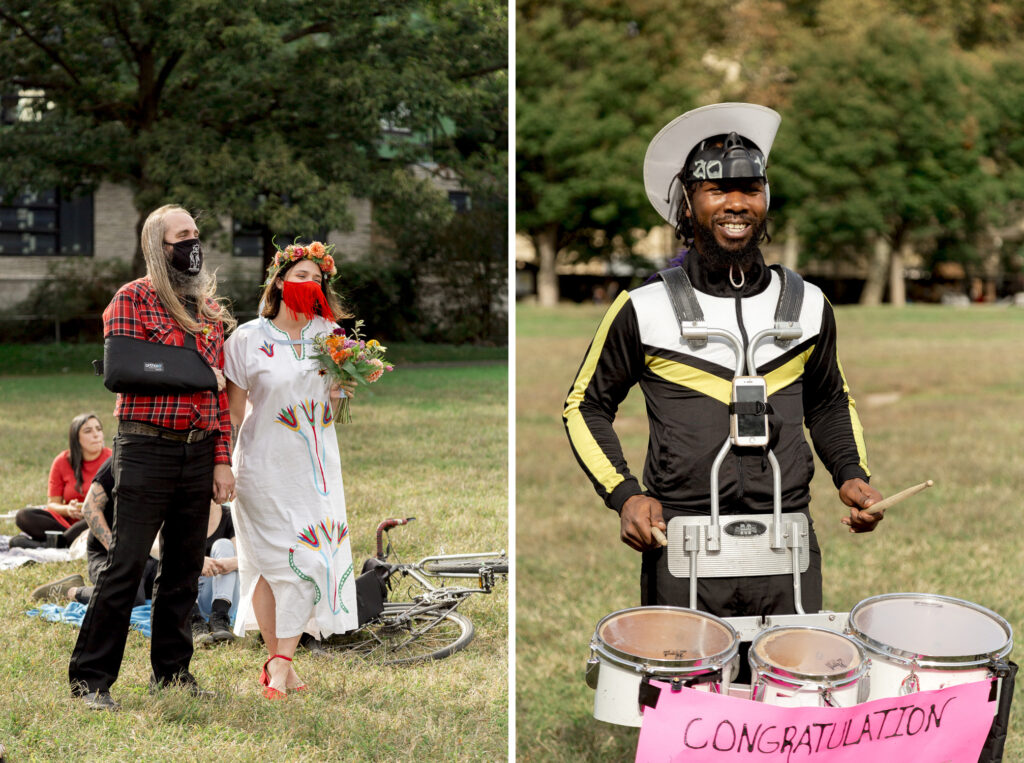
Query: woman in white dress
pixel 294 558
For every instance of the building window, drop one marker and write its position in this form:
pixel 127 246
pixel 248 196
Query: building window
pixel 459 200
pixel 248 240
pixel 42 223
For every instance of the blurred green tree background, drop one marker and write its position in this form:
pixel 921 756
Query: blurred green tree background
pixel 275 114
pixel 902 130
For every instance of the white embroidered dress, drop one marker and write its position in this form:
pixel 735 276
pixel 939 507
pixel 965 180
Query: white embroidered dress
pixel 289 513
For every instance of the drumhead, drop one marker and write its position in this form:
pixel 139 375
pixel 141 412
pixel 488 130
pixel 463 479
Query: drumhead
pixel 807 653
pixel 932 630
pixel 666 639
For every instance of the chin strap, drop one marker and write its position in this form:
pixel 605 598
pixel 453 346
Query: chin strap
pixel 732 280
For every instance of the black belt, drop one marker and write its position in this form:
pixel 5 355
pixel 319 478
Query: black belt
pixel 148 430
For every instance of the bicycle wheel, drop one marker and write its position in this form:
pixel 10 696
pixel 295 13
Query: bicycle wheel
pixel 469 566
pixel 406 633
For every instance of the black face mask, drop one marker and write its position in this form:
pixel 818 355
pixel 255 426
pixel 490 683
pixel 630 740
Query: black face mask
pixel 187 256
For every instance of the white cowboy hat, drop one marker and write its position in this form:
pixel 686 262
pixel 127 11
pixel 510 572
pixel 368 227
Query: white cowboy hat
pixel 674 142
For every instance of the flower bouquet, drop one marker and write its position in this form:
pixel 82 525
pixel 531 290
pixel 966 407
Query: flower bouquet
pixel 350 358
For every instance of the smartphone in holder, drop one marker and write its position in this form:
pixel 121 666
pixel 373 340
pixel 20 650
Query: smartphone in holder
pixel 748 419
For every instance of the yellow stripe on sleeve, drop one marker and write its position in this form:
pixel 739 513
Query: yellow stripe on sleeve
pixel 587 448
pixel 858 430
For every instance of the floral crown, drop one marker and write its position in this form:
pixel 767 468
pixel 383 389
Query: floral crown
pixel 320 254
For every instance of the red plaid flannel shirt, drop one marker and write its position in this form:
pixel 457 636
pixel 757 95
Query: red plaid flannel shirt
pixel 136 311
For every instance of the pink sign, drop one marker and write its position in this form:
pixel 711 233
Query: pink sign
pixel 942 726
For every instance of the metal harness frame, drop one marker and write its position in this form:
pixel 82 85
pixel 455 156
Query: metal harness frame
pixel 695 332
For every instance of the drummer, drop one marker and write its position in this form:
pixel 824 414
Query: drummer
pixel 705 174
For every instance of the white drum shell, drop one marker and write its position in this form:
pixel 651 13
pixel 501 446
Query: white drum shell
pixel 887 677
pixel 931 640
pixel 795 681
pixel 659 643
pixel 615 699
pixel 773 692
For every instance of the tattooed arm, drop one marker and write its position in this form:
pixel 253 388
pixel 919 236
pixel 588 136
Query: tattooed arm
pixel 92 511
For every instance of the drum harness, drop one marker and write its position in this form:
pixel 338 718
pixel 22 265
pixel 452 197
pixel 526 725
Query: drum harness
pixel 787 533
pixel 696 545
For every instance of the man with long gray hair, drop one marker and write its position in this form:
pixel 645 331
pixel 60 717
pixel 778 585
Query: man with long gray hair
pixel 171 456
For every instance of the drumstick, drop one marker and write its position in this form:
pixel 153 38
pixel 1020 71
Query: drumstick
pixel 659 536
pixel 885 503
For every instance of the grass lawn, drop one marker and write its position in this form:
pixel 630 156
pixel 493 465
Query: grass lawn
pixel 940 394
pixel 430 442
pixel 72 357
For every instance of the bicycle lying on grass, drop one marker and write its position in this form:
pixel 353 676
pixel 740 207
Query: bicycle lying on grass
pixel 427 627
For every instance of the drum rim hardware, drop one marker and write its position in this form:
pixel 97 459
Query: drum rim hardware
pixel 793 679
pixel 623 681
pixel 654 666
pixel 918 661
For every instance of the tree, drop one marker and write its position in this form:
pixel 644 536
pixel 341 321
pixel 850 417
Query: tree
pixel 882 146
pixel 270 112
pixel 592 89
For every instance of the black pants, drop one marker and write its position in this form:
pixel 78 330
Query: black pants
pixel 156 482
pixel 732 597
pixel 35 522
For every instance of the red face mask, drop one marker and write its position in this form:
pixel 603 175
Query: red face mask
pixel 306 298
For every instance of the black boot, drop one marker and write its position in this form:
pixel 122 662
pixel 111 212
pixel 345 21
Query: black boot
pixel 220 621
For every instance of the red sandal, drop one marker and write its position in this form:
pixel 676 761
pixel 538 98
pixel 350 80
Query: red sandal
pixel 269 691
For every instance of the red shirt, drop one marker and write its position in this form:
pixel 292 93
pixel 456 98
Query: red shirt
pixel 62 477
pixel 136 311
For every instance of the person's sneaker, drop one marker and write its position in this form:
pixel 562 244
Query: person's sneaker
pixel 200 631
pixel 23 541
pixel 220 627
pixel 58 589
pixel 100 700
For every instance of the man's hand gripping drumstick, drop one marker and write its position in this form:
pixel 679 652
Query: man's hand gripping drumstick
pixel 641 523
pixel 866 512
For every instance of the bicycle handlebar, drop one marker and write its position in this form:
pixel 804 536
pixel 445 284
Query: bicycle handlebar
pixel 383 527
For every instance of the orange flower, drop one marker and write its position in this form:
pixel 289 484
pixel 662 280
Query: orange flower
pixel 316 249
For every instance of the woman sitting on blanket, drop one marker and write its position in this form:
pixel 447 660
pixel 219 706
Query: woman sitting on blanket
pixel 70 476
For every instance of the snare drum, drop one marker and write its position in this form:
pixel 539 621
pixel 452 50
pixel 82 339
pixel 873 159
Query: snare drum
pixel 804 666
pixel 919 642
pixel 665 643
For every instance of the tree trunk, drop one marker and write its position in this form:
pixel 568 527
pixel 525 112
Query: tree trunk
pixel 791 249
pixel 897 283
pixel 546 241
pixel 878 273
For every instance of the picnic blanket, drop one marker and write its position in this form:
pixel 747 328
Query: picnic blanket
pixel 12 558
pixel 74 613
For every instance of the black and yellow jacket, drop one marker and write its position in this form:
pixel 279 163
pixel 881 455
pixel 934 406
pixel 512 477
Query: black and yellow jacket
pixel 687 393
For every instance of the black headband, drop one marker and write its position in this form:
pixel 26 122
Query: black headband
pixel 724 157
